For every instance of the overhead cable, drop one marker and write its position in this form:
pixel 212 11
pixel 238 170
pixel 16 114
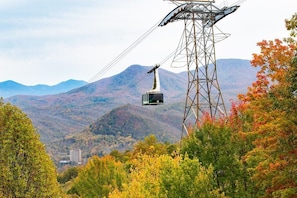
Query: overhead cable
pixel 123 54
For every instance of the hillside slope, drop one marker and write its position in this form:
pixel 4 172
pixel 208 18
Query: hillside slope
pixel 138 122
pixel 121 128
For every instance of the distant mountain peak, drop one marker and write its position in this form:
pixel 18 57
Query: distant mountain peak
pixel 11 88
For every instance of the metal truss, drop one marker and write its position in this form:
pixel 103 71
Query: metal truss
pixel 196 51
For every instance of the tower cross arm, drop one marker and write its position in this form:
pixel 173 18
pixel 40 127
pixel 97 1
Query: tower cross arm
pixel 172 16
pixel 220 14
pixel 209 13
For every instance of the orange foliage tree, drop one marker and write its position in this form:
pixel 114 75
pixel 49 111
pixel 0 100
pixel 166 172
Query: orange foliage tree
pixel 273 105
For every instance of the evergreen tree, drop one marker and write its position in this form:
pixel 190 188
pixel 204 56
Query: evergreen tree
pixel 25 168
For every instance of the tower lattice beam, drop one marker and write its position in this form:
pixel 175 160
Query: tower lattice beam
pixel 196 51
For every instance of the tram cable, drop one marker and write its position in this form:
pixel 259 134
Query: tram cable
pixel 161 63
pixel 131 47
pixel 126 52
pixel 123 54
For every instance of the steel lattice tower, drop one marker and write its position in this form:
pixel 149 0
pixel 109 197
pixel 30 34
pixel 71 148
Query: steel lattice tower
pixel 196 51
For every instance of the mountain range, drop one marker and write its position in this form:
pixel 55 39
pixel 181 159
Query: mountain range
pixel 11 88
pixel 107 114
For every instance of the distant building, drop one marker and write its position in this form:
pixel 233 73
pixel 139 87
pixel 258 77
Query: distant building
pixel 75 156
pixel 64 162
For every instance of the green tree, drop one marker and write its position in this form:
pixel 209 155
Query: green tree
pixel 162 176
pixel 185 177
pixel 215 144
pixel 150 146
pixel 68 175
pixel 99 177
pixel 25 168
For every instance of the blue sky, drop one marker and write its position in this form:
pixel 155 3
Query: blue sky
pixel 46 42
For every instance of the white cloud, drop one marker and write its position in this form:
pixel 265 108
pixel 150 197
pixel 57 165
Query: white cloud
pixel 52 41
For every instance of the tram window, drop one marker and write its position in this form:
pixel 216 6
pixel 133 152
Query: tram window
pixel 152 99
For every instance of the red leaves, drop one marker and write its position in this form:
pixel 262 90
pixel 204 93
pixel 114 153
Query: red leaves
pixel 274 129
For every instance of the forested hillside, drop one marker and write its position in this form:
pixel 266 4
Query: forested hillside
pixel 120 128
pixel 56 116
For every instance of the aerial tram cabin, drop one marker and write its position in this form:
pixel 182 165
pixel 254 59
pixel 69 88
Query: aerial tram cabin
pixel 153 96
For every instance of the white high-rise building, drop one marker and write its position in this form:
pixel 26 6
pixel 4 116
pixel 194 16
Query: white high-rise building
pixel 75 156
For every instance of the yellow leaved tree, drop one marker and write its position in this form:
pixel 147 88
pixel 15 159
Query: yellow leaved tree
pixel 25 168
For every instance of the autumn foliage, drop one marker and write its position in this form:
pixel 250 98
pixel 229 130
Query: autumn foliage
pixel 252 152
pixel 271 104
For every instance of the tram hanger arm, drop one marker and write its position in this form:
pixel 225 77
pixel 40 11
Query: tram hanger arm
pixel 153 69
